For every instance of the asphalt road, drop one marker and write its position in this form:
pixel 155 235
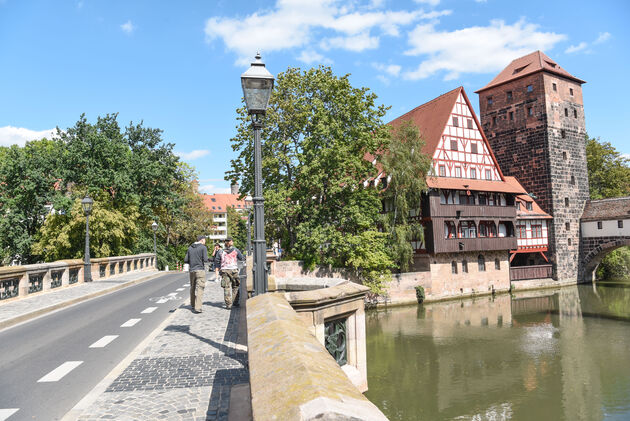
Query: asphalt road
pixel 49 364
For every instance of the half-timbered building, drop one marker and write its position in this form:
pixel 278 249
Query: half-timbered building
pixel 469 212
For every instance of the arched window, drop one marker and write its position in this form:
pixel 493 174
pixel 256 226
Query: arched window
pixel 464 266
pixel 481 261
pixel 454 267
pixel 497 264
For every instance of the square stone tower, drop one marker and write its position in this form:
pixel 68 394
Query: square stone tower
pixel 533 116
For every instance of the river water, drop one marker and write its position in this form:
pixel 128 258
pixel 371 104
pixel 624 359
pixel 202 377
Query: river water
pixel 543 355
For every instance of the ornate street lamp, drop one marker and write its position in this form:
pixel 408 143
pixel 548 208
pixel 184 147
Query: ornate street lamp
pixel 87 203
pixel 154 226
pixel 257 84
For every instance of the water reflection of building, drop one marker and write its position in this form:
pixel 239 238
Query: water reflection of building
pixel 528 358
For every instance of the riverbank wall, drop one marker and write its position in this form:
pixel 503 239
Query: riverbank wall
pixel 443 278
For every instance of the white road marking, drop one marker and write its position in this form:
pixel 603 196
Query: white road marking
pixel 162 301
pixel 59 372
pixel 148 310
pixel 172 294
pixel 130 323
pixel 104 341
pixel 6 413
pixel 179 289
pixel 186 285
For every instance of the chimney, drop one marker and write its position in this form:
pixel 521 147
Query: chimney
pixel 234 188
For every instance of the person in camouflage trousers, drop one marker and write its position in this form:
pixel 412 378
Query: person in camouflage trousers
pixel 226 263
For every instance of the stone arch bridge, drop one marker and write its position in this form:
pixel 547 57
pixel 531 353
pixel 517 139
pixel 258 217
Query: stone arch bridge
pixel 605 226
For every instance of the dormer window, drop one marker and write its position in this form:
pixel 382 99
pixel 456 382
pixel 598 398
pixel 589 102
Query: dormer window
pixel 529 206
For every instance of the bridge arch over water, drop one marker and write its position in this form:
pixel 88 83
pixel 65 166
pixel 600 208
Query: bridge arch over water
pixel 605 226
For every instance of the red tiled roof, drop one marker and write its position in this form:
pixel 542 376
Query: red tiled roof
pixel 510 185
pixel 527 65
pixel 535 213
pixel 218 203
pixel 615 208
pixel 430 118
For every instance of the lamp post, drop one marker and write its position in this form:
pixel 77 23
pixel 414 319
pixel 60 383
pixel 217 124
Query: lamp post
pixel 154 226
pixel 87 203
pixel 249 231
pixel 257 84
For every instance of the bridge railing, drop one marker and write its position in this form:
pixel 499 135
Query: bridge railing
pixel 521 273
pixel 21 281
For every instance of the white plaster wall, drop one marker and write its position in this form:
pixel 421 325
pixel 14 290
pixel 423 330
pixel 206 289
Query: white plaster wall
pixel 609 229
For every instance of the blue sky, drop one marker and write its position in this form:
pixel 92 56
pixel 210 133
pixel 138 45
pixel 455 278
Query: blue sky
pixel 177 65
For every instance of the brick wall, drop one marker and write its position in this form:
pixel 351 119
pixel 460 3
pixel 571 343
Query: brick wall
pixel 546 151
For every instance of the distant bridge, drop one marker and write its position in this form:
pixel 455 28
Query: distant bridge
pixel 605 226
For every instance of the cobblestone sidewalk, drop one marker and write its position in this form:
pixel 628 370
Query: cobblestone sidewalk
pixel 185 373
pixel 19 310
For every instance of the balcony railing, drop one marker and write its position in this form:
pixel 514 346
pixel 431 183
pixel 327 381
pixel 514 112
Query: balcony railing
pixel 452 245
pixel 521 273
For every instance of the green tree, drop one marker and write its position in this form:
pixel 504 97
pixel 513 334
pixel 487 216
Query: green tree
pixel 237 228
pixel 608 170
pixel 406 168
pixel 609 176
pixel 113 232
pixel 317 132
pixel 29 183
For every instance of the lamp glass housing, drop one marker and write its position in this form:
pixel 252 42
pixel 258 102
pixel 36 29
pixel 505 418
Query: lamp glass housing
pixel 154 226
pixel 257 85
pixel 87 203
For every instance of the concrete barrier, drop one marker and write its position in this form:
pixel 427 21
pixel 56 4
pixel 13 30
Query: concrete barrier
pixel 17 282
pixel 292 375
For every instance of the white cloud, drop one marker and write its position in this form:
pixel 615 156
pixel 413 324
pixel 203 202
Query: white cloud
pixel 584 46
pixel 429 2
pixel 355 43
pixel 301 23
pixel 191 156
pixel 10 135
pixel 127 27
pixel 211 188
pixel 603 37
pixel 575 48
pixel 476 49
pixel 310 57
pixel 390 69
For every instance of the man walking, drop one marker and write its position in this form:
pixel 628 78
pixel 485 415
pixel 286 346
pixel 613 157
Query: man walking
pixel 225 261
pixel 197 257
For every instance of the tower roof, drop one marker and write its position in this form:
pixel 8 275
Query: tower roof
pixel 524 66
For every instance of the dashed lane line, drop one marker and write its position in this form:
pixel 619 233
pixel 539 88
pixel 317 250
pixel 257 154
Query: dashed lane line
pixel 161 301
pixel 179 289
pixel 104 341
pixel 172 294
pixel 6 413
pixel 59 372
pixel 148 310
pixel 130 323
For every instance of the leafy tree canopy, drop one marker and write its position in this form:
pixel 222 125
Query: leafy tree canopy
pixel 608 170
pixel 317 132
